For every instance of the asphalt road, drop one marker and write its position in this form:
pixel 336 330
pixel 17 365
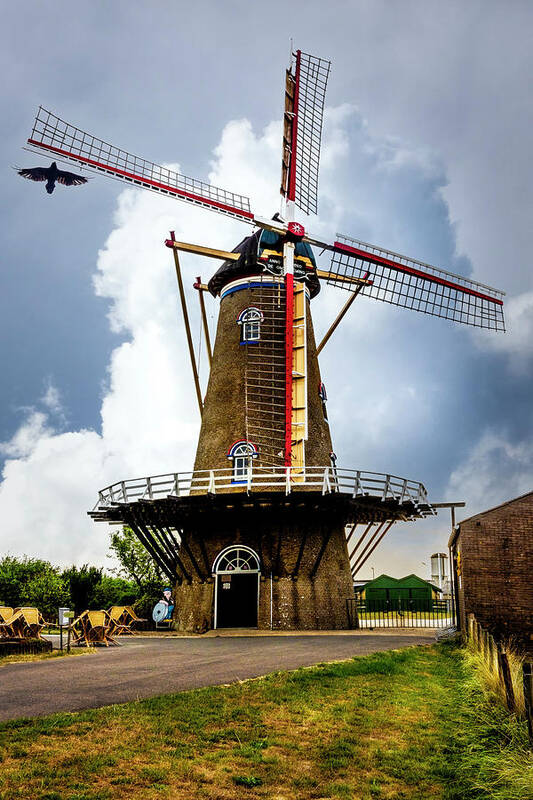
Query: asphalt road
pixel 146 667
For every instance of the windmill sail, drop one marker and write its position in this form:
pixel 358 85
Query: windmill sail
pixel 412 284
pixel 54 136
pixel 304 109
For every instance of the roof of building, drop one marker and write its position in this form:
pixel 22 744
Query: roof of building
pixel 387 581
pixel 480 514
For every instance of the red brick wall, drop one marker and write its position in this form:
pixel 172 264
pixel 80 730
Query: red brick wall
pixel 496 561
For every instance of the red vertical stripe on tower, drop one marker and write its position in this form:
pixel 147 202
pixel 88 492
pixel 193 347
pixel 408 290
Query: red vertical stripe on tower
pixel 291 191
pixel 289 320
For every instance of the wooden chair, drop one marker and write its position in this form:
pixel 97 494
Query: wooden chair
pixel 32 622
pixel 119 620
pixel 133 616
pixel 24 623
pixel 5 629
pixel 95 628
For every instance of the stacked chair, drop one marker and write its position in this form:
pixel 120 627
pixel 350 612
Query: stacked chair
pixel 21 623
pixel 93 627
pixel 101 627
pixel 124 617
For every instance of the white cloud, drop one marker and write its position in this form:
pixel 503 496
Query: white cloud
pixel 33 429
pixel 494 471
pixel 52 399
pixel 517 342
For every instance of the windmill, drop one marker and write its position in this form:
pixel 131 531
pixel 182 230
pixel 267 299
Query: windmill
pixel 267 530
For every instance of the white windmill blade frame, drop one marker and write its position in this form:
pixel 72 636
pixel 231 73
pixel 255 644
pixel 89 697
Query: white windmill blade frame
pixel 415 285
pixel 54 136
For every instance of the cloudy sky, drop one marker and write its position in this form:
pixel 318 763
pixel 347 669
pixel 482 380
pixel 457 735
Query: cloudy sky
pixel 427 151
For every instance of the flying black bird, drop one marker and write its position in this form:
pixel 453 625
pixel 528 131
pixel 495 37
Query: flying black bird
pixel 52 174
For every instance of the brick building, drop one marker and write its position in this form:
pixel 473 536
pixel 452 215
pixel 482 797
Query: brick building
pixel 492 555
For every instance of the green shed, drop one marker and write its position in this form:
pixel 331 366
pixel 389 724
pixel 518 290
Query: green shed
pixel 386 593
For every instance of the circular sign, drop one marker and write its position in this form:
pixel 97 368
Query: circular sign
pixel 159 612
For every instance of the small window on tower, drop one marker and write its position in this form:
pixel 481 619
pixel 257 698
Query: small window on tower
pixel 250 322
pixel 242 454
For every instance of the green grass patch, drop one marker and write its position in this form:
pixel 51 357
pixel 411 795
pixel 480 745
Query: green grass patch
pixel 411 724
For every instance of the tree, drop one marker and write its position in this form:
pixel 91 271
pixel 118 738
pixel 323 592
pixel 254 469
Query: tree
pixel 113 591
pixel 137 565
pixel 31 581
pixel 47 591
pixel 82 583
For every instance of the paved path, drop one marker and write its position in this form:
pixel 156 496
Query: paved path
pixel 146 667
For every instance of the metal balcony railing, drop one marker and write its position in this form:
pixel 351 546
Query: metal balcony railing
pixel 327 480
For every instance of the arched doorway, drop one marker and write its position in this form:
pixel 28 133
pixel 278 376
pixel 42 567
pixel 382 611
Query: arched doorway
pixel 236 571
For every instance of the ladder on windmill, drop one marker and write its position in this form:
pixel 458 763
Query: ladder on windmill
pixel 264 378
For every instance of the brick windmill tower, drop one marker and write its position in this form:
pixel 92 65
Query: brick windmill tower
pixel 267 530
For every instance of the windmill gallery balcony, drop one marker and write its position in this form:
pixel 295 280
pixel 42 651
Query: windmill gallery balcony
pixel 401 492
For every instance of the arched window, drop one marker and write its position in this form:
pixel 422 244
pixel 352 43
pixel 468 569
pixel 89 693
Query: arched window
pixel 242 453
pixel 237 558
pixel 250 322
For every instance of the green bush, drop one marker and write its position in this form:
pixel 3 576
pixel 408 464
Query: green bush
pixel 114 592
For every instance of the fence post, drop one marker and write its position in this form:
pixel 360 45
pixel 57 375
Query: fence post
pixel 475 630
pixel 486 651
pixel 470 623
pixel 493 655
pixel 528 698
pixel 505 673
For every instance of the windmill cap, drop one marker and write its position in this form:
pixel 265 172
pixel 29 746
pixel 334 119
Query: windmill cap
pixel 249 265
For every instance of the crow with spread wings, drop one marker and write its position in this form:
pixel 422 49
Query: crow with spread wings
pixel 52 175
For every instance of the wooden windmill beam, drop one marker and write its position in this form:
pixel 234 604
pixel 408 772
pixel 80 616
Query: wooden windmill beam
pixel 146 540
pixel 198 287
pixel 336 322
pixel 187 326
pixel 365 548
pixel 149 519
pixel 360 564
pixel 359 541
pixel 200 250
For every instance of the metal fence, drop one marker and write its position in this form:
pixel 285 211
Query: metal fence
pixel 399 613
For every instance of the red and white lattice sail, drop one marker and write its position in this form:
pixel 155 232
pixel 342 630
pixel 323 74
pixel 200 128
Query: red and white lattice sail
pixel 414 285
pixel 55 137
pixel 305 93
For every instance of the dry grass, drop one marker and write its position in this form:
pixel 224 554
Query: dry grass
pixel 24 659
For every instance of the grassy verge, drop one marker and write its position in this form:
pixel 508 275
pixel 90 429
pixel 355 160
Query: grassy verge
pixel 24 658
pixel 495 756
pixel 410 724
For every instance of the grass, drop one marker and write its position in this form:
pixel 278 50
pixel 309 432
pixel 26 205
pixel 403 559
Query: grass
pixel 24 658
pixel 486 670
pixel 411 724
